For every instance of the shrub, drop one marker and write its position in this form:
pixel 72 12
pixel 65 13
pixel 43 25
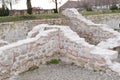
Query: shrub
pixel 72 63
pixel 89 9
pixel 53 61
pixel 113 7
pixel 4 11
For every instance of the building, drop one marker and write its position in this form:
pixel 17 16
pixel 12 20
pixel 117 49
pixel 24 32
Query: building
pixel 71 4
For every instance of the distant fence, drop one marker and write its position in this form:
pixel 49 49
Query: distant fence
pixel 35 11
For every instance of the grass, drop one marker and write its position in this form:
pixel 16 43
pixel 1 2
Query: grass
pixel 52 15
pixel 28 17
pixel 95 70
pixel 30 69
pixel 33 68
pixel 53 61
pixel 87 13
pixel 72 63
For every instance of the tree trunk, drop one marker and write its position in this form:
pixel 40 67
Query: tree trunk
pixel 29 7
pixel 56 5
pixel 3 3
pixel 11 5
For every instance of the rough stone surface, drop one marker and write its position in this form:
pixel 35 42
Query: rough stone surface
pixel 102 35
pixel 14 31
pixel 49 41
pixel 45 42
pixel 113 20
pixel 93 33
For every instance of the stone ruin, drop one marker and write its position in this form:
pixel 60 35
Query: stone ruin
pixel 89 45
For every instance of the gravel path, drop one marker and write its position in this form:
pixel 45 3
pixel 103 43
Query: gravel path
pixel 64 71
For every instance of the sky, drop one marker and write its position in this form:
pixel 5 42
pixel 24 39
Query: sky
pixel 45 4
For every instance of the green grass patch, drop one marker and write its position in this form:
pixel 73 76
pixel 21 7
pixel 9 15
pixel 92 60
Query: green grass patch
pixel 53 61
pixel 28 17
pixel 30 69
pixel 86 13
pixel 72 63
pixel 95 70
pixel 33 68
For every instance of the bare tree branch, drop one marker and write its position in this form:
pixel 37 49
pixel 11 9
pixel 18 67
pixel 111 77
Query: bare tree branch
pixel 56 4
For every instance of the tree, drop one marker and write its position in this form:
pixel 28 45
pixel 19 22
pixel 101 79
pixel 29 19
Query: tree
pixel 10 1
pixel 29 7
pixel 3 3
pixel 56 5
pixel 4 11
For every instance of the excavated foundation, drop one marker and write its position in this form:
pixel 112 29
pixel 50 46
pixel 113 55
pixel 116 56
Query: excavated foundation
pixel 86 44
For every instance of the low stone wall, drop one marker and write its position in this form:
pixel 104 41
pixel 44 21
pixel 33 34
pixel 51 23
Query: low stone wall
pixel 113 20
pixel 51 42
pixel 77 50
pixel 100 35
pixel 14 31
pixel 45 42
pixel 19 57
pixel 34 11
pixel 93 33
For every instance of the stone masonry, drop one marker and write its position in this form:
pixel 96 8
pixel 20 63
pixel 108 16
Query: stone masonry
pixel 100 35
pixel 14 31
pixel 93 33
pixel 113 20
pixel 50 40
pixel 45 42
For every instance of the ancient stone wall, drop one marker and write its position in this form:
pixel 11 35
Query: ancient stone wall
pixel 93 33
pixel 77 50
pixel 19 57
pixel 100 35
pixel 14 31
pixel 45 42
pixel 113 20
pixel 34 11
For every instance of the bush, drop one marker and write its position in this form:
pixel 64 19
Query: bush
pixel 4 11
pixel 88 9
pixel 53 61
pixel 29 10
pixel 113 7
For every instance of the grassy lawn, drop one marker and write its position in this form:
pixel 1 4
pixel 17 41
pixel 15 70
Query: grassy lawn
pixel 86 13
pixel 48 16
pixel 28 17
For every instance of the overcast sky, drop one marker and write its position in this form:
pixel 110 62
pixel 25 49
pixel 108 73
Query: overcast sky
pixel 45 4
